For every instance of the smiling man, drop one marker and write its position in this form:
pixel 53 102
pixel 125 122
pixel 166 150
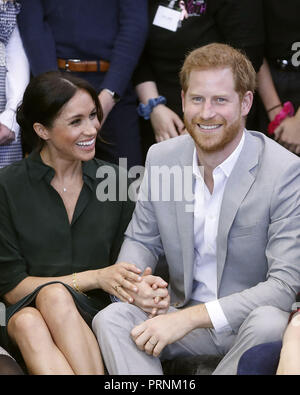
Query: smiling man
pixel 234 259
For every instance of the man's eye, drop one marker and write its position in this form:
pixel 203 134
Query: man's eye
pixel 197 99
pixel 221 100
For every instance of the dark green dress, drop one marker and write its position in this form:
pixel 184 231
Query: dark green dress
pixel 36 238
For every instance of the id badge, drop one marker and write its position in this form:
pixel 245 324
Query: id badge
pixel 167 18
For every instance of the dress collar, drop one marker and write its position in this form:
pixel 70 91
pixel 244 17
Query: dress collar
pixel 39 170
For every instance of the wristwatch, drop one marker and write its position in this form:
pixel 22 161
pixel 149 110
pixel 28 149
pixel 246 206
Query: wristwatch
pixel 114 95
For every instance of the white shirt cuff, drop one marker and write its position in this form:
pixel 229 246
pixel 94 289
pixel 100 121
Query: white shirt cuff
pixel 217 317
pixel 8 118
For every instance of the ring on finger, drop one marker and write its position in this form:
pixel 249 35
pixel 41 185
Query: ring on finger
pixel 153 344
pixel 116 287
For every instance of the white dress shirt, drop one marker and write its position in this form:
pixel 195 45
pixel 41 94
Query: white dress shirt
pixel 206 218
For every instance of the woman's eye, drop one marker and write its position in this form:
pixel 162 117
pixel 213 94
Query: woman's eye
pixel 93 115
pixel 75 122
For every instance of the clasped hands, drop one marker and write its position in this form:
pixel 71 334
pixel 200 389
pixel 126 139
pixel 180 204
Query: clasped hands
pixel 149 293
pixel 126 282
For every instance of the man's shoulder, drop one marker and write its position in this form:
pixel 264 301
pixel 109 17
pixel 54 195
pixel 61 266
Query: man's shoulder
pixel 272 154
pixel 170 151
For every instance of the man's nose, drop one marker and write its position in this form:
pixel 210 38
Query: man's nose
pixel 207 110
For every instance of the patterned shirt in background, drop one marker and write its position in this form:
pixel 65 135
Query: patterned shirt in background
pixel 8 11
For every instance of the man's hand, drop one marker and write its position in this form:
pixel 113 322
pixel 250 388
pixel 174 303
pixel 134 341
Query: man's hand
pixel 152 295
pixel 6 135
pixel 153 335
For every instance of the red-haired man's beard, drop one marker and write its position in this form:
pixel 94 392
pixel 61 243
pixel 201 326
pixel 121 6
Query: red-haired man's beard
pixel 217 135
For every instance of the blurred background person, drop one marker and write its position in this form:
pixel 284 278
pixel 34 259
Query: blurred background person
pixel 279 77
pixel 193 24
pixel 281 357
pixel 100 41
pixel 14 76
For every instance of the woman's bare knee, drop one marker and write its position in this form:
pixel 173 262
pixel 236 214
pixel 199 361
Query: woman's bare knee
pixel 24 323
pixel 54 301
pixel 54 296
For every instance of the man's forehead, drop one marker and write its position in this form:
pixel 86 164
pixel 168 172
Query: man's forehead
pixel 214 77
pixel 212 70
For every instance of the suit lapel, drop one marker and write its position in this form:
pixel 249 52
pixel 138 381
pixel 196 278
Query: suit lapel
pixel 236 189
pixel 185 220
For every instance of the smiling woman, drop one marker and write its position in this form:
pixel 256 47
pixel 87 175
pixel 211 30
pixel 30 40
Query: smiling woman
pixel 53 97
pixel 57 240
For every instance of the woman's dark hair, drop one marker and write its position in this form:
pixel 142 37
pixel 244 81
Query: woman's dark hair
pixel 44 99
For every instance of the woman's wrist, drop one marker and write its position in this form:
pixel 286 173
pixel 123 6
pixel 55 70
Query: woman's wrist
pixel 97 275
pixel 146 110
pixel 286 111
pixel 85 281
pixel 273 112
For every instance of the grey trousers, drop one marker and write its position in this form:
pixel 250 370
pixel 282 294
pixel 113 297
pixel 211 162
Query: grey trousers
pixel 113 325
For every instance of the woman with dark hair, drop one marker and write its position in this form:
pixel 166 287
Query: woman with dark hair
pixel 58 234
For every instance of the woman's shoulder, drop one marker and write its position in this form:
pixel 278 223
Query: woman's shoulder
pixel 14 172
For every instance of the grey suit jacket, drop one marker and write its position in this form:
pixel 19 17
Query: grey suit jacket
pixel 258 241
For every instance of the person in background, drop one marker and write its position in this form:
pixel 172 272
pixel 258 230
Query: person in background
pixel 279 357
pixel 14 76
pixel 59 233
pixel 195 23
pixel 279 77
pixel 99 41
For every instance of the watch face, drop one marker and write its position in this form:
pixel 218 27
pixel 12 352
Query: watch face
pixel 116 97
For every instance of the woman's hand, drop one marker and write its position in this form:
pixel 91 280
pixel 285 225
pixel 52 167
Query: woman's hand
pixel 165 122
pixel 288 134
pixel 6 135
pixel 118 279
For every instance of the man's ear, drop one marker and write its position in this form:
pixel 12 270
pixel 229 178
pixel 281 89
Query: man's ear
pixel 182 100
pixel 247 103
pixel 41 131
